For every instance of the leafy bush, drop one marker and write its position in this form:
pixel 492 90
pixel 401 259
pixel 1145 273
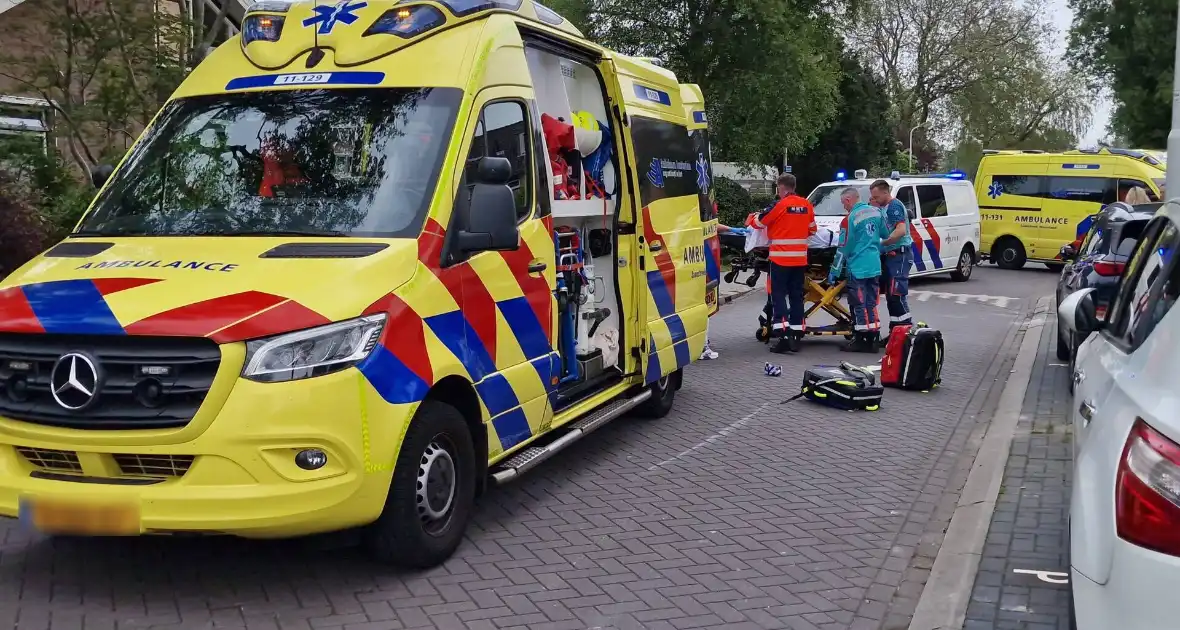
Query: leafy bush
pixel 23 233
pixel 761 201
pixel 734 204
pixel 52 188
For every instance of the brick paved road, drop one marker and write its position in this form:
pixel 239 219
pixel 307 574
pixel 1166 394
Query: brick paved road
pixel 1028 528
pixel 733 512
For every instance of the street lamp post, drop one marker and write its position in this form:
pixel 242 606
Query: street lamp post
pixel 915 128
pixel 1172 185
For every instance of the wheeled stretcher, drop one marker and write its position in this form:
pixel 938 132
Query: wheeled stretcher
pixel 817 295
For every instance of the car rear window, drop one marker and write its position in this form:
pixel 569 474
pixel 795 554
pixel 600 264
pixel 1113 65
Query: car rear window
pixel 1128 237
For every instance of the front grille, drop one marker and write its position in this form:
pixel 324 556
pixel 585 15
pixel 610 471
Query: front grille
pixel 48 459
pixel 148 382
pixel 154 465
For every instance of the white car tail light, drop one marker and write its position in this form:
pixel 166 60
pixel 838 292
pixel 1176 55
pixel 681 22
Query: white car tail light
pixel 1147 491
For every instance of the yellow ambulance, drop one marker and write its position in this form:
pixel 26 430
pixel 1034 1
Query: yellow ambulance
pixel 1032 203
pixel 370 256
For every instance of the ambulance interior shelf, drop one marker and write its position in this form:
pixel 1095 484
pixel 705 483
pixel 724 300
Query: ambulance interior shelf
pixel 578 145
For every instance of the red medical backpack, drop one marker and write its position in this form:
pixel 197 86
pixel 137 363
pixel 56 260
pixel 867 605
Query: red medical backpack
pixel 913 358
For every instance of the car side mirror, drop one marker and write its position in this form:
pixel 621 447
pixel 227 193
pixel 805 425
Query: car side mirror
pixel 1077 312
pixel 912 212
pixel 100 174
pixel 491 219
pixel 1068 252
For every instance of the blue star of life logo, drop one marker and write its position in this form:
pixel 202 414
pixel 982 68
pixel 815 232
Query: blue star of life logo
pixel 995 190
pixel 655 174
pixel 702 174
pixel 327 17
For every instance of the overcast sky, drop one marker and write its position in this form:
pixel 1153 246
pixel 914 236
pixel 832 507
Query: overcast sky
pixel 1061 16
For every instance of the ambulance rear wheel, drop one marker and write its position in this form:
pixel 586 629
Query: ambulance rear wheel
pixel 663 394
pixel 1009 253
pixel 432 492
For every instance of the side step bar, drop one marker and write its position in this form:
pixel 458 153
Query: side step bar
pixel 529 457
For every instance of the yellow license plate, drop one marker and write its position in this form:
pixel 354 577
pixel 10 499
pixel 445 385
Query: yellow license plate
pixel 81 517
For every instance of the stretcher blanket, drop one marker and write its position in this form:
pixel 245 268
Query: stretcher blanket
pixel 823 239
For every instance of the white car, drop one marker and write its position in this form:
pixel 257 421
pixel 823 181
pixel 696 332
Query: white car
pixel 944 217
pixel 1125 505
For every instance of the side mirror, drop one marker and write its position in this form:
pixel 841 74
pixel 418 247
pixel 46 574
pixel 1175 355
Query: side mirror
pixel 491 219
pixel 913 213
pixel 1068 253
pixel 1078 314
pixel 100 174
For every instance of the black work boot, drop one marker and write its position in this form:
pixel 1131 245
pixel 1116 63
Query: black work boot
pixel 874 342
pixel 794 341
pixel 856 345
pixel 783 346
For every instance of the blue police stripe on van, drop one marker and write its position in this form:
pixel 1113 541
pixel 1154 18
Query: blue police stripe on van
pixel 306 78
pixel 653 95
pixel 1081 167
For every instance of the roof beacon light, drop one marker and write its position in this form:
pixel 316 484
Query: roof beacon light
pixel 861 174
pixel 407 22
pixel 262 28
pixel 269 6
pixel 841 176
pixel 895 175
pixel 957 174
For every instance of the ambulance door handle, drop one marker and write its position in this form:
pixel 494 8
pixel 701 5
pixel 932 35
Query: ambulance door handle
pixel 655 246
pixel 537 266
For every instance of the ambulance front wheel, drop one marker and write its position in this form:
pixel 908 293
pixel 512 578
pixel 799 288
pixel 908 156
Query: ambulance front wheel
pixel 663 394
pixel 432 492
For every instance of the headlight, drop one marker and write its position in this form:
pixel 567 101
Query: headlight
pixel 312 352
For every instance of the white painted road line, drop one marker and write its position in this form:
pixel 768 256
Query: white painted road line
pixel 1052 577
pixel 1000 301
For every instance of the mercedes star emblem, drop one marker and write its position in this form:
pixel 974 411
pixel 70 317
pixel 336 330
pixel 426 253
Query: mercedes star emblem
pixel 75 381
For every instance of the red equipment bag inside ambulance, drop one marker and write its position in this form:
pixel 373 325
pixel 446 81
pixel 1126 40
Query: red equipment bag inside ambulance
pixel 913 358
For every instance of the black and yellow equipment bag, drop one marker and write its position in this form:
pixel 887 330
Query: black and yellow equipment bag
pixel 845 387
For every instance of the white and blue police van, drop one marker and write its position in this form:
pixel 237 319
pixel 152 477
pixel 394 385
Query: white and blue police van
pixel 944 217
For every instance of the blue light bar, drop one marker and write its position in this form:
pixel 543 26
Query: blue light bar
pixel 841 176
pixel 957 174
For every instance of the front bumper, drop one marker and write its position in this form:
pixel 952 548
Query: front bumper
pixel 232 469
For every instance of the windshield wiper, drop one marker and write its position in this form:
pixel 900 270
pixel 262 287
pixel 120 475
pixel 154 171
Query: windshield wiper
pixel 96 233
pixel 309 233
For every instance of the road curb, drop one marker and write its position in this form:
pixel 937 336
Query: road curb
pixel 730 297
pixel 943 603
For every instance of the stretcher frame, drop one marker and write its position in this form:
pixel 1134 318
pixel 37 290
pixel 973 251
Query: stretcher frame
pixel 817 294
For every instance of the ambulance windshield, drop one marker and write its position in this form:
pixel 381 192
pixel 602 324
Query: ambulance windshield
pixel 826 199
pixel 317 162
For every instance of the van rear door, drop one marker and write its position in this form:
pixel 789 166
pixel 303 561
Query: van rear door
pixel 664 171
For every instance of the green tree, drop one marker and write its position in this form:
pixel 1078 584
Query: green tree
pixel 944 59
pixel 114 64
pixel 769 68
pixel 1129 46
pixel 859 137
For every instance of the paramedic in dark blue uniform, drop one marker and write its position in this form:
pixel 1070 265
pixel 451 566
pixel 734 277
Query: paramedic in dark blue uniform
pixel 896 251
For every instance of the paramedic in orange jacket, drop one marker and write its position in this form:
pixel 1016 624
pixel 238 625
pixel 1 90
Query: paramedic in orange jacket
pixel 788 225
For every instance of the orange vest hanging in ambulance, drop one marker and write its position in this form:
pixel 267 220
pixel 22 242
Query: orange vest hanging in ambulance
pixel 788 225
